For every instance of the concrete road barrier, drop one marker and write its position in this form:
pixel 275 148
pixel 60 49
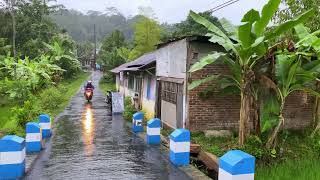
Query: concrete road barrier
pixel 236 165
pixel 153 131
pixel 33 137
pixel 180 147
pixel 45 124
pixel 12 157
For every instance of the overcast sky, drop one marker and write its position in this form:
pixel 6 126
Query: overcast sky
pixel 170 11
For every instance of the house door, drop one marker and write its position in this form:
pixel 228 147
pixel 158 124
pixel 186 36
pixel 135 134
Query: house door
pixel 179 106
pixel 158 100
pixel 172 103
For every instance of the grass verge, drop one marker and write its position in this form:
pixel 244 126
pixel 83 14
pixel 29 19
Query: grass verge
pixel 104 86
pixel 51 100
pixel 296 157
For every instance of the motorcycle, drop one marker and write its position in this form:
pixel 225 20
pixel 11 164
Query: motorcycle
pixel 88 93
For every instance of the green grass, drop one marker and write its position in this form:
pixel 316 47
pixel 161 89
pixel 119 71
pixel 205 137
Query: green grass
pixel 104 86
pixel 71 88
pixel 51 100
pixel 296 157
pixel 306 168
pixel 4 114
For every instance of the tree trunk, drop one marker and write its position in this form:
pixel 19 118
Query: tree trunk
pixel 14 36
pixel 256 119
pixel 248 113
pixel 11 6
pixel 248 110
pixel 272 140
pixel 316 115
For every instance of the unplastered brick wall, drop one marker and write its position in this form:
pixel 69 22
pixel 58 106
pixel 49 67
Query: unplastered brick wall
pixel 222 111
pixel 298 110
pixel 216 111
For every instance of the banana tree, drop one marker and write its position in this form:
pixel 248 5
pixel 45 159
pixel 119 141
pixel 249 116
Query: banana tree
pixel 245 46
pixel 292 75
pixel 310 43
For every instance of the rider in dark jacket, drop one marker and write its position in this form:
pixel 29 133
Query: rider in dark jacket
pixel 89 85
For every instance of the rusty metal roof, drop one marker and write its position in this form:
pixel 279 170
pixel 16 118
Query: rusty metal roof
pixel 136 64
pixel 188 38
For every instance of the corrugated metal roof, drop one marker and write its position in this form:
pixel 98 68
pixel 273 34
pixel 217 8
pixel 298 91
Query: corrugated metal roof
pixel 188 38
pixel 136 64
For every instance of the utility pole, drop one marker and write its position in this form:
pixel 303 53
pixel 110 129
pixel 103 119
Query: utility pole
pixel 95 47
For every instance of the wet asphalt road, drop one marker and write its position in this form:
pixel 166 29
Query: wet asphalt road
pixel 88 143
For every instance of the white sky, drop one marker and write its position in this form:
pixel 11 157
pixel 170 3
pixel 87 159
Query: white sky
pixel 170 11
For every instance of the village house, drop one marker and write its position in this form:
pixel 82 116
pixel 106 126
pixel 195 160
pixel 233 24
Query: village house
pixel 179 107
pixel 159 82
pixel 137 79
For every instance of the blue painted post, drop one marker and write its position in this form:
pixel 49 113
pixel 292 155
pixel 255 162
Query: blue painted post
pixel 12 157
pixel 137 122
pixel 45 124
pixel 180 147
pixel 236 165
pixel 33 137
pixel 153 131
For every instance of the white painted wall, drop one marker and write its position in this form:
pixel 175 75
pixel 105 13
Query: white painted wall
pixel 172 59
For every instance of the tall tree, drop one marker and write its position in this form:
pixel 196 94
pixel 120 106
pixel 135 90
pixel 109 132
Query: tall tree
pixel 84 51
pixel 147 34
pixel 293 8
pixel 190 27
pixel 108 56
pixel 10 6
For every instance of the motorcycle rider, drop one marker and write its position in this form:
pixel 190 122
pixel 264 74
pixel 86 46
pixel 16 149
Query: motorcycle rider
pixel 89 85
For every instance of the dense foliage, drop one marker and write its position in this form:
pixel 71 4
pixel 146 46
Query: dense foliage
pixel 34 57
pixel 292 8
pixel 147 34
pixel 190 27
pixel 109 55
pixel 246 49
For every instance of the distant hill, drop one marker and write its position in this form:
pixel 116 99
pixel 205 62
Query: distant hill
pixel 80 25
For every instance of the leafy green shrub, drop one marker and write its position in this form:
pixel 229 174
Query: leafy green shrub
pixel 109 77
pixel 129 109
pixel 255 147
pixel 12 127
pixel 25 113
pixel 50 99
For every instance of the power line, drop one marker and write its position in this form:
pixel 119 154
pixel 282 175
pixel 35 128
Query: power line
pixel 223 5
pixel 220 5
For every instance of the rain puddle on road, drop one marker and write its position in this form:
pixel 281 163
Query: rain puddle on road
pixel 88 144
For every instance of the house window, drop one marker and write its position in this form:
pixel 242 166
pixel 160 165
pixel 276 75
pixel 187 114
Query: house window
pixel 148 87
pixel 137 83
pixel 169 92
pixel 131 82
pixel 195 55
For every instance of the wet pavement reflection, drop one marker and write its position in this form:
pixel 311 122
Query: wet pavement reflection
pixel 88 143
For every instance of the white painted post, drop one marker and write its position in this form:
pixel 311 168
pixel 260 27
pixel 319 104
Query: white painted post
pixel 180 147
pixel 12 157
pixel 236 165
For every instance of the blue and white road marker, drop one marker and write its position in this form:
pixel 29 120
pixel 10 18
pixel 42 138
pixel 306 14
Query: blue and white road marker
pixel 33 137
pixel 236 165
pixel 45 124
pixel 12 157
pixel 180 147
pixel 153 131
pixel 137 122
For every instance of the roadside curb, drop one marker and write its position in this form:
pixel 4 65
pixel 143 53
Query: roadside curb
pixel 189 170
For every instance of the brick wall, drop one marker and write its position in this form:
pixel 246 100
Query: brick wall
pixel 298 111
pixel 222 111
pixel 216 112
